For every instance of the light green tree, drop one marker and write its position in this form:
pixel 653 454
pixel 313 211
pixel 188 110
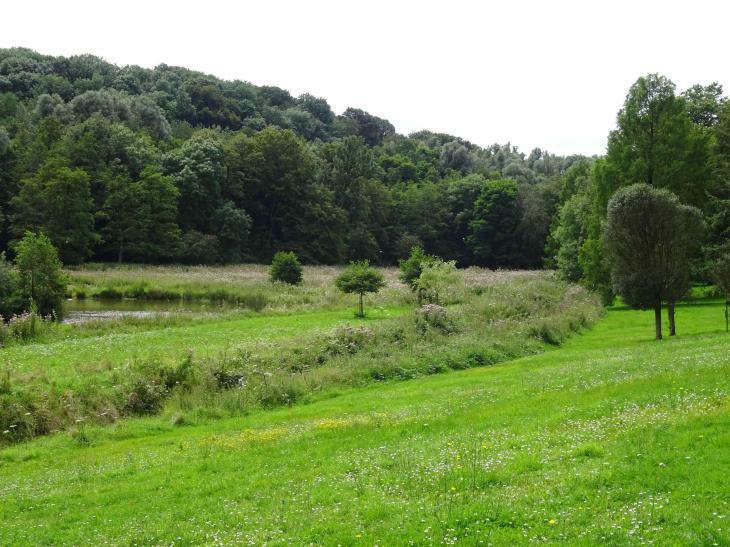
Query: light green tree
pixel 437 279
pixel 41 280
pixel 360 278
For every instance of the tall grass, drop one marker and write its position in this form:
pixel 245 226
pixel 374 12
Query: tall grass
pixel 22 328
pixel 484 325
pixel 247 286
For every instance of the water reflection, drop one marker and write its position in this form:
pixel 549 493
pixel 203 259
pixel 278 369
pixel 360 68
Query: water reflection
pixel 81 311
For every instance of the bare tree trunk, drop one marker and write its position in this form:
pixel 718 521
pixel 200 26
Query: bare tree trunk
pixel 658 321
pixel 670 315
pixel 361 312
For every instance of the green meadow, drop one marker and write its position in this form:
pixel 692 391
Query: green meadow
pixel 596 434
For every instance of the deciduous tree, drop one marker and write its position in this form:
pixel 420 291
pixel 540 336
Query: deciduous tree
pixel 360 278
pixel 648 237
pixel 42 283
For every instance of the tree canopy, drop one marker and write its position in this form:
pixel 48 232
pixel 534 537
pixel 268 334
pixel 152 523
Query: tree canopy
pixel 172 165
pixel 168 164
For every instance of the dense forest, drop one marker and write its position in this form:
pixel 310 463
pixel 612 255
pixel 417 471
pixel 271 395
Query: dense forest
pixel 172 165
pixel 168 164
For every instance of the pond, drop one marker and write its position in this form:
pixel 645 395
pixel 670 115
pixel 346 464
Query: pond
pixel 81 311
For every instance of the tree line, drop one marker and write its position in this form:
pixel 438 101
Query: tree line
pixel 171 165
pixel 653 214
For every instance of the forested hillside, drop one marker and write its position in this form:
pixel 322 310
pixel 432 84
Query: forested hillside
pixel 162 165
pixel 171 165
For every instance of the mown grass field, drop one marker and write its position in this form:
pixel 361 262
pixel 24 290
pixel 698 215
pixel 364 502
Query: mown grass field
pixel 612 439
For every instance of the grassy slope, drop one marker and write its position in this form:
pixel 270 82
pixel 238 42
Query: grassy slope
pixel 612 439
pixel 63 359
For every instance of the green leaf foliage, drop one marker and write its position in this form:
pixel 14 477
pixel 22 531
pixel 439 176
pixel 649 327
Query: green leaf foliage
pixel 285 267
pixel 360 278
pixel 42 284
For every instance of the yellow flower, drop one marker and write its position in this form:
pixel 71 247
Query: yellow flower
pixel 552 521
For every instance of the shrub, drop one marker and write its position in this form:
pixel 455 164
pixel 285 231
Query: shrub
pixel 228 379
pixel 349 340
pixel 433 316
pixel 145 398
pixel 437 280
pixel 285 267
pixel 411 268
pixel 42 282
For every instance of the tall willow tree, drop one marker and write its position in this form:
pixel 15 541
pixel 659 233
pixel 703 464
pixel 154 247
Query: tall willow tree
pixel 650 238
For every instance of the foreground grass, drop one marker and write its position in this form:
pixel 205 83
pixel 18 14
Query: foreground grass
pixel 612 439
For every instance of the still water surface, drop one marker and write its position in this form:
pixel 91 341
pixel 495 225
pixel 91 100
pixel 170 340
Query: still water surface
pixel 80 311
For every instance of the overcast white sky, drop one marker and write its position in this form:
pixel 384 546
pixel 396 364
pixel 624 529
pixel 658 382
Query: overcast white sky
pixel 551 74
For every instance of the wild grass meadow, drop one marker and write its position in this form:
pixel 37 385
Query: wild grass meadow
pixel 516 412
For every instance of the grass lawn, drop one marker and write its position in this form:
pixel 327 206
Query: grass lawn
pixel 613 439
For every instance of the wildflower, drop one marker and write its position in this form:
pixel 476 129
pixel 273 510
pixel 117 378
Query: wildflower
pixel 552 522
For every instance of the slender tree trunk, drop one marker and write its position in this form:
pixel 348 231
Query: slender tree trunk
pixel 658 321
pixel 670 315
pixel 361 313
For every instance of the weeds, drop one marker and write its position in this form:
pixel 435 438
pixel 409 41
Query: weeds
pixel 497 323
pixel 22 328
